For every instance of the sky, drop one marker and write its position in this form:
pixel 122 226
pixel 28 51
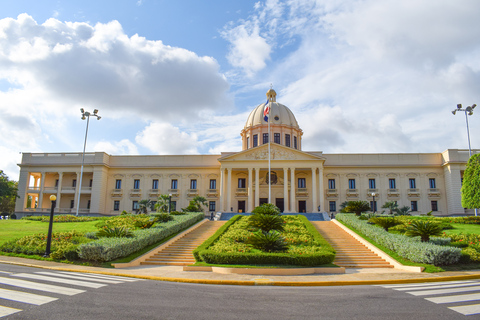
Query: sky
pixel 181 77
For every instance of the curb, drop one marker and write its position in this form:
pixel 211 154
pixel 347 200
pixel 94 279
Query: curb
pixel 257 282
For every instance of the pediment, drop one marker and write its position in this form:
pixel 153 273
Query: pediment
pixel 277 152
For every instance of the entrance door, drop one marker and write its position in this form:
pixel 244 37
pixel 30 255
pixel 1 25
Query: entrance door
pixel 279 203
pixel 263 200
pixel 241 206
pixel 302 206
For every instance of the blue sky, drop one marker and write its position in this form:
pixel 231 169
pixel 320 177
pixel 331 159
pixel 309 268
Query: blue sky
pixel 180 77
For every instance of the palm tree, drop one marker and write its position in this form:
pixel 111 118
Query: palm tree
pixel 391 205
pixel 143 205
pixel 403 211
pixel 162 203
pixel 357 206
pixel 199 201
pixel 424 229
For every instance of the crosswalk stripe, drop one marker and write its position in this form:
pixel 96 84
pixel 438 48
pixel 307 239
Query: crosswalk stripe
pixel 78 277
pixel 455 298
pixel 25 297
pixel 442 291
pixel 5 311
pixel 103 276
pixel 393 286
pixel 467 310
pixel 40 286
pixel 444 286
pixel 59 280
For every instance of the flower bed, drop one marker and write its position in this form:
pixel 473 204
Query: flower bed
pixel 306 247
pixel 405 247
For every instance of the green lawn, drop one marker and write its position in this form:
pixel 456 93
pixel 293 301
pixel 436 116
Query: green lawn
pixel 14 229
pixel 463 228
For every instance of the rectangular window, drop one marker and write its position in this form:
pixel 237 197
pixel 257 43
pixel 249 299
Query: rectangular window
pixel 373 205
pixel 116 205
pixel 56 183
pixel 434 206
pixel 432 183
pixel 333 206
pixel 392 184
pixel 242 183
pixel 152 205
pixel 193 184
pixel 331 183
pixel 135 205
pixel 255 140
pixel 211 206
pixel 265 138
pixel 413 205
pixel 248 142
pixel 295 142
pixel 118 184
pixel 91 183
pixel 136 184
pixel 174 184
pixel 88 204
pixel 287 140
pixel 72 204
pixel 372 184
pixel 173 206
pixel 276 138
pixel 302 183
pixel 74 183
pixel 213 184
pixel 351 184
pixel 411 183
pixel 155 184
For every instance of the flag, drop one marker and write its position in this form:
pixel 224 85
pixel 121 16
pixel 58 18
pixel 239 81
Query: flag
pixel 266 111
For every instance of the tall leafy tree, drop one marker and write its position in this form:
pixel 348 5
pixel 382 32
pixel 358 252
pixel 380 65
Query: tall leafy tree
pixel 162 203
pixel 471 183
pixel 357 207
pixel 143 205
pixel 391 205
pixel 8 193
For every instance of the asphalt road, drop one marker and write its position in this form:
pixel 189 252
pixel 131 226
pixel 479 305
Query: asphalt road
pixel 84 296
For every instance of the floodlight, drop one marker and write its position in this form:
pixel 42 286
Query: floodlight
pixel 473 106
pixel 459 106
pixel 454 112
pixel 83 117
pixel 95 111
pixel 98 117
pixel 82 110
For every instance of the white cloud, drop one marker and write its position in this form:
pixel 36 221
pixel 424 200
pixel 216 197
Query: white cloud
pixel 121 147
pixel 164 138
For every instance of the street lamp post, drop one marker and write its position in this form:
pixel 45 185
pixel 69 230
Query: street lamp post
pixel 169 203
pixel 53 199
pixel 468 112
pixel 85 115
pixel 373 194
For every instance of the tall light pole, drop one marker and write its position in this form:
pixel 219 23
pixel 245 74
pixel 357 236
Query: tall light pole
pixel 373 194
pixel 468 112
pixel 85 115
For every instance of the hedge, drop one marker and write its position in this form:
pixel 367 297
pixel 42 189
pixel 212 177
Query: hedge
pixel 107 249
pixel 262 258
pixel 404 246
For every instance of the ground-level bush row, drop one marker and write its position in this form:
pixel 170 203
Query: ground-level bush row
pixel 405 247
pixel 107 249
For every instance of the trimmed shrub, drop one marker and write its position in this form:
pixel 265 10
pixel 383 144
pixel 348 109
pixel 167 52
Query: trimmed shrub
pixel 107 249
pixel 177 213
pixel 267 208
pixel 405 247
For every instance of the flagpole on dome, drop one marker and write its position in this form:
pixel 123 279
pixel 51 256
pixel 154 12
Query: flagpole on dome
pixel 266 115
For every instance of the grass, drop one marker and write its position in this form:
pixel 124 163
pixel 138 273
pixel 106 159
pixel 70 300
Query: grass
pixel 204 264
pixel 15 229
pixel 463 228
pixel 428 267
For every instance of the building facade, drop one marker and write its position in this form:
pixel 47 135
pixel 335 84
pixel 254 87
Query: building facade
pixel 300 181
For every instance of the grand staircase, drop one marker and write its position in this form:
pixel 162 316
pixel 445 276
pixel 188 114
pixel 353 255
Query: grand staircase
pixel 350 252
pixel 179 252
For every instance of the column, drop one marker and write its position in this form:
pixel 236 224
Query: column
pixel 321 200
pixel 220 205
pixel 229 189
pixel 293 205
pixel 285 190
pixel 314 190
pixel 250 189
pixel 40 193
pixel 257 187
pixel 23 182
pixel 59 190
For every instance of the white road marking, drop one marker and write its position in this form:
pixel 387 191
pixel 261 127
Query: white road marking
pixel 25 297
pixel 4 311
pixel 467 310
pixel 393 286
pixel 59 280
pixel 40 286
pixel 78 277
pixel 104 276
pixel 443 286
pixel 443 291
pixel 455 298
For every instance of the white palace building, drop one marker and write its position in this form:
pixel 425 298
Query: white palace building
pixel 301 181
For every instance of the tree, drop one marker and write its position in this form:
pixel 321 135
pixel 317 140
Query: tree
pixel 357 207
pixel 343 205
pixel 385 222
pixel 143 205
pixel 403 211
pixel 391 205
pixel 162 203
pixel 199 201
pixel 8 194
pixel 424 229
pixel 471 183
